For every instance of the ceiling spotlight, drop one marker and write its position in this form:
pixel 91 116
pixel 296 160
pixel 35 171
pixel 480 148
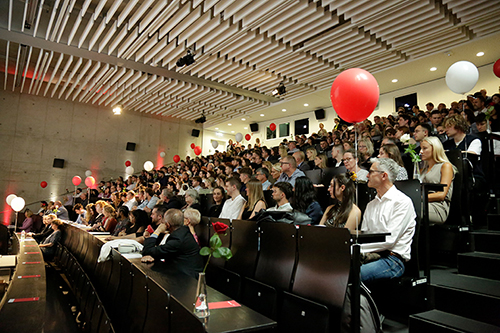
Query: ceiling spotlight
pixel 229 124
pixel 280 90
pixel 245 127
pixel 306 104
pixel 243 119
pixel 394 80
pixel 232 131
pixel 479 54
pixel 262 115
pixel 216 128
pixel 186 60
pixel 433 69
pixel 284 110
pixel 117 110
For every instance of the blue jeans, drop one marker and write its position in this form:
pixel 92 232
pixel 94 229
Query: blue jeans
pixel 385 268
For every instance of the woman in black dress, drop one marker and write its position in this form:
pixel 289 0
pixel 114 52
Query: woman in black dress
pixel 256 201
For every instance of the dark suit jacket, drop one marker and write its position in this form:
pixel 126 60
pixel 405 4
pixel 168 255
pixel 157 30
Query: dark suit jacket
pixel 180 250
pixel 304 166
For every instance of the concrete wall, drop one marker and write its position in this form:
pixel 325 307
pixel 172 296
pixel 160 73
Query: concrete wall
pixel 35 130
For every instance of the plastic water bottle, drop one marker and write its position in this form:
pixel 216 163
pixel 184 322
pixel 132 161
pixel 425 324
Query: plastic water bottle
pixel 23 235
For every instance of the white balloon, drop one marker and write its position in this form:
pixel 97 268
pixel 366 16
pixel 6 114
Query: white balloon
pixel 129 170
pixel 238 137
pixel 88 173
pixel 148 166
pixel 10 197
pixel 215 144
pixel 461 77
pixel 162 154
pixel 17 204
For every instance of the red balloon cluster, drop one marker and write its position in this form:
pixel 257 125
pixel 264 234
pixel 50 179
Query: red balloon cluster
pixel 193 146
pixel 496 68
pixel 354 95
pixel 197 150
pixel 43 184
pixel 128 163
pixel 76 180
pixel 272 127
pixel 177 158
pixel 248 137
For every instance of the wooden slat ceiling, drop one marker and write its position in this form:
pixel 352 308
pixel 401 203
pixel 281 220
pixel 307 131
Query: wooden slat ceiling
pixel 108 52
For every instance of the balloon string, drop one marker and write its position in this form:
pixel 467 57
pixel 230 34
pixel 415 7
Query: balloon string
pixel 355 169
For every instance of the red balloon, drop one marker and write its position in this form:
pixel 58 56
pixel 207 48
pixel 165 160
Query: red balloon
pixel 193 146
pixel 272 127
pixel 177 158
pixel 76 180
pixel 89 181
pixel 128 163
pixel 43 184
pixel 197 150
pixel 496 68
pixel 354 95
pixel 248 137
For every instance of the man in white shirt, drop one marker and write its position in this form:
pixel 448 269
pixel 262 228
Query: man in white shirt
pixel 233 206
pixel 131 202
pixel 390 212
pixel 282 192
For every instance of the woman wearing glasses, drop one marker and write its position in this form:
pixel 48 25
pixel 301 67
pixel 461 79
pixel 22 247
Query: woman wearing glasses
pixel 351 163
pixel 343 213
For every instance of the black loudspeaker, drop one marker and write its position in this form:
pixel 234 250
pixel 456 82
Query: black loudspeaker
pixel 254 127
pixel 58 163
pixel 131 146
pixel 195 132
pixel 320 114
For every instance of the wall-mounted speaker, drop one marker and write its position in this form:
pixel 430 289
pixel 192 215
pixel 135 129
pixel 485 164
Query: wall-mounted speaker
pixel 254 127
pixel 58 163
pixel 320 114
pixel 131 146
pixel 195 132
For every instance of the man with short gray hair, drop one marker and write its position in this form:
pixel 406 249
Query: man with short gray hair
pixel 290 171
pixel 390 212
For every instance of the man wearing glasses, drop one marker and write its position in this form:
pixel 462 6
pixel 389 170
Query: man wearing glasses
pixel 289 170
pixel 390 212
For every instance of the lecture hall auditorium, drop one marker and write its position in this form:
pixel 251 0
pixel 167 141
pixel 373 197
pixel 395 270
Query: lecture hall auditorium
pixel 186 166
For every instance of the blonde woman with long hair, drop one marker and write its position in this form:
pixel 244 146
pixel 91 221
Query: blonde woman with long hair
pixel 256 201
pixel 283 151
pixel 311 153
pixel 320 161
pixel 276 171
pixel 437 170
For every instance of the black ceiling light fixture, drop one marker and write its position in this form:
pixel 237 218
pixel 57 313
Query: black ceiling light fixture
pixel 186 60
pixel 280 90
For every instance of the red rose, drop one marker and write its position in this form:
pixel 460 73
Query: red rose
pixel 219 228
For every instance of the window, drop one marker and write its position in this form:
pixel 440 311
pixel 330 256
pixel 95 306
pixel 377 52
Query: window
pixel 406 101
pixel 302 126
pixel 270 134
pixel 284 130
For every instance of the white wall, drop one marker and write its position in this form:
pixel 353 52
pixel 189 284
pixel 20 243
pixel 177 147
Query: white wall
pixel 434 91
pixel 35 130
pixel 221 138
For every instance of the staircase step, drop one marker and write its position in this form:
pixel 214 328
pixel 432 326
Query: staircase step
pixel 493 222
pixel 486 241
pixel 481 264
pixel 438 321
